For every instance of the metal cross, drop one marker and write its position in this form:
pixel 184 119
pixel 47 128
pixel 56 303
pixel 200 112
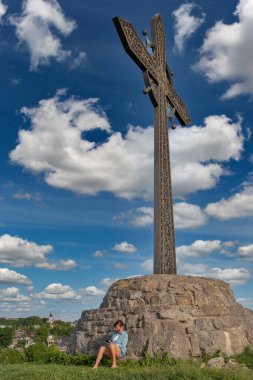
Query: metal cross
pixel 159 86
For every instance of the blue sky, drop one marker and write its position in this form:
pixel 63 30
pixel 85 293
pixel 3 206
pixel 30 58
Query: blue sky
pixel 76 150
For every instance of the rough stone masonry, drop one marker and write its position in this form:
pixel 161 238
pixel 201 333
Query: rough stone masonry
pixel 181 315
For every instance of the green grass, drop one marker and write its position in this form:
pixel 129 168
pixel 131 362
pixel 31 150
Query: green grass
pixel 179 371
pixel 246 357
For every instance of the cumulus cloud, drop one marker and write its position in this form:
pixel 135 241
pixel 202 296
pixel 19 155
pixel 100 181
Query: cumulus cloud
pixel 239 205
pixel 13 295
pixel 234 276
pixel 148 265
pixel 55 146
pixel 9 292
pixel 60 292
pixel 125 247
pixel 37 28
pixel 58 265
pixel 246 252
pixel 120 266
pixel 8 276
pixel 3 10
pixel 27 196
pixel 187 215
pixel 92 291
pixel 227 54
pixel 79 61
pixel 99 254
pixel 188 268
pixel 199 248
pixel 18 252
pixel 186 24
pixel 246 302
pixel 107 281
pixel 143 216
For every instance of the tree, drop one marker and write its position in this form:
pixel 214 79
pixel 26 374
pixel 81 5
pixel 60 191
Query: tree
pixel 42 334
pixel 37 353
pixel 6 336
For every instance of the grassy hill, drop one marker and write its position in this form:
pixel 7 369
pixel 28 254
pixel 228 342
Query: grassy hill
pixel 180 371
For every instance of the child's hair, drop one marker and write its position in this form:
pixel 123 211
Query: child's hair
pixel 119 322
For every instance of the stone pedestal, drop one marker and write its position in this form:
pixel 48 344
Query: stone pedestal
pixel 181 315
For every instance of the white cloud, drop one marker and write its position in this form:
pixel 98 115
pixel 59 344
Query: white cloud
pixel 55 146
pixel 57 288
pixel 246 302
pixel 143 217
pixel 99 254
pixel 18 252
pixel 107 281
pixel 187 268
pixel 124 247
pixel 3 10
pixel 234 276
pixel 147 265
pixel 57 291
pixel 227 54
pixel 27 196
pixel 60 292
pixel 199 248
pixel 78 61
pixel 8 276
pixel 186 24
pixel 92 291
pixel 197 151
pixel 13 295
pixel 246 252
pixel 35 26
pixel 239 205
pixel 120 266
pixel 9 292
pixel 187 215
pixel 58 265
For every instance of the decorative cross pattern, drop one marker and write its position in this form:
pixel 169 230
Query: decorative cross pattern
pixel 160 88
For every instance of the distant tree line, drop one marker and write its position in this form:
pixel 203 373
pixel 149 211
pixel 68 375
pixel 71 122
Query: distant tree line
pixel 33 326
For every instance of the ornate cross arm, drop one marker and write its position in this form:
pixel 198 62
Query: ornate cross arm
pixel 134 46
pixel 177 104
pixel 156 71
pixel 159 41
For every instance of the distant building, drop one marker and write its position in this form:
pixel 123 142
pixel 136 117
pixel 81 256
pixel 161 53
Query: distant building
pixel 28 342
pixel 50 340
pixel 62 344
pixel 50 319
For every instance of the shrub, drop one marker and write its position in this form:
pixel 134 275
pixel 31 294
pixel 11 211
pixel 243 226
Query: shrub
pixel 11 356
pixel 163 359
pixel 57 357
pixel 37 353
pixel 246 357
pixel 82 360
pixel 6 336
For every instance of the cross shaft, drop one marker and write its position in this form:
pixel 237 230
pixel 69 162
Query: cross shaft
pixel 160 88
